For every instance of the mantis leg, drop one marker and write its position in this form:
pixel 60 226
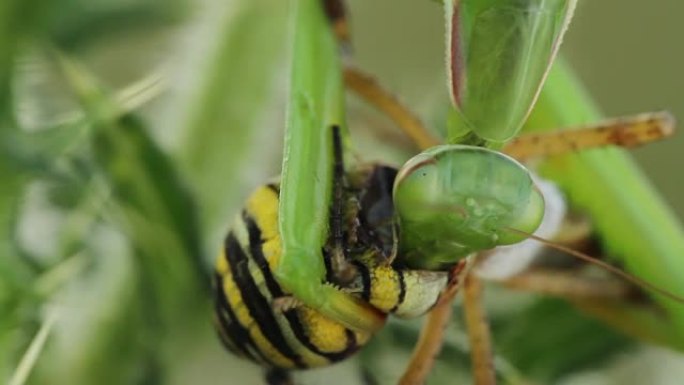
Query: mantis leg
pixel 575 233
pixel 568 285
pixel 606 300
pixel 478 332
pixel 432 333
pixel 624 132
pixel 613 301
pixel 369 89
pixel 429 343
pixel 337 15
pixel 372 92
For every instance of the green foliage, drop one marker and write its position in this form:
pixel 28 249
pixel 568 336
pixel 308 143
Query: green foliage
pixel 126 277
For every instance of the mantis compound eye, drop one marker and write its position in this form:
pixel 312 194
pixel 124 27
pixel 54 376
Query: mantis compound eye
pixel 454 200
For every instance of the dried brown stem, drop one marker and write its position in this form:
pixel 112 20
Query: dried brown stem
pixel 478 332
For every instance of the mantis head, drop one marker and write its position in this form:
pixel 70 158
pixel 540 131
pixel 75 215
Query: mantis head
pixel 453 200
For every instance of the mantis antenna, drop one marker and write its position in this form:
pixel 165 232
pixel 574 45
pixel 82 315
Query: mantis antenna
pixel 595 261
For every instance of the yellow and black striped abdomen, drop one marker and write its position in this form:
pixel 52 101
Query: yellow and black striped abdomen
pixel 245 290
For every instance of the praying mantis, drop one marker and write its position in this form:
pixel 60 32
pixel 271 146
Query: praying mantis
pixel 450 202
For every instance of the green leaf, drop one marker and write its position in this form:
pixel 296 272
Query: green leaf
pixel 550 339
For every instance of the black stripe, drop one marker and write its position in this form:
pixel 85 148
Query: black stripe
pixel 292 317
pixel 294 320
pixel 352 345
pixel 257 252
pixel 232 327
pixel 220 324
pixel 402 291
pixel 365 280
pixel 259 308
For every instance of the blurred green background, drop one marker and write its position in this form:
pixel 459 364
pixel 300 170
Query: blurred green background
pixel 110 224
pixel 628 54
